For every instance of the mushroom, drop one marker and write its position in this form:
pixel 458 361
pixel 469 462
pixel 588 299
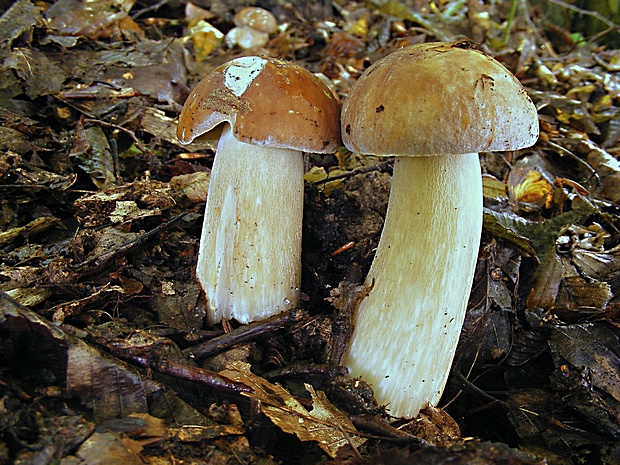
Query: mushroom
pixel 433 106
pixel 252 28
pixel 249 261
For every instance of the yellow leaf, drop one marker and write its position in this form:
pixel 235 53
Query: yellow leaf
pixel 317 173
pixel 205 38
pixel 359 28
pixel 492 187
pixel 530 189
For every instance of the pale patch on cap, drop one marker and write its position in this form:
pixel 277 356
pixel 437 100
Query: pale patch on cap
pixel 242 72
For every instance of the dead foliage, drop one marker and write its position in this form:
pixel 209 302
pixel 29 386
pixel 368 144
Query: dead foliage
pixel 104 352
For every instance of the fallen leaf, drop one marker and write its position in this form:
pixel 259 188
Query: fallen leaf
pixel 590 345
pixel 194 186
pixel 493 188
pixel 108 448
pixel 504 226
pixel 318 173
pixel 529 190
pixel 608 170
pixel 123 204
pixel 324 424
pixel 96 21
pixel 18 18
pixel 94 156
pixel 578 293
pixel 545 291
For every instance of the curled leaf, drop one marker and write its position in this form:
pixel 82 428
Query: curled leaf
pixel 325 424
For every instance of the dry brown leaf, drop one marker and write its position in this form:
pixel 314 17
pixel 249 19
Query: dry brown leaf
pixel 194 186
pixel 96 21
pixel 608 170
pixel 545 291
pixel 123 204
pixel 324 424
pixel 107 448
pixel 201 433
pixel 590 345
pixel 153 426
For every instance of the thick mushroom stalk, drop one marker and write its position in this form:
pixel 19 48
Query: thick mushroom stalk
pixel 407 329
pixel 251 238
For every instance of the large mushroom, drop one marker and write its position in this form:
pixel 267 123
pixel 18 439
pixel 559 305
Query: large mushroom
pixel 249 262
pixel 433 106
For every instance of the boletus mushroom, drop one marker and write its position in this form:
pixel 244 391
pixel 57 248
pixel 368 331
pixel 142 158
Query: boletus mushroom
pixel 249 261
pixel 252 28
pixel 432 106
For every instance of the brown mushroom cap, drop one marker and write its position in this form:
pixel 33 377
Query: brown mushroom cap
pixel 256 18
pixel 267 102
pixel 438 98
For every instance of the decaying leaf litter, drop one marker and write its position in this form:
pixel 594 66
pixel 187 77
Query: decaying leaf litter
pixel 105 353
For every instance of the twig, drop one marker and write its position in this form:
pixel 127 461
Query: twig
pixel 386 432
pixel 562 150
pixel 244 333
pixel 96 264
pixel 149 8
pixel 355 172
pixel 200 375
pixel 346 298
pixel 594 14
pixel 596 37
pixel 467 384
pixel 130 133
pixel 306 371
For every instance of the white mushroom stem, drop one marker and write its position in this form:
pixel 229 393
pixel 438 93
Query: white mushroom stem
pixel 407 328
pixel 249 262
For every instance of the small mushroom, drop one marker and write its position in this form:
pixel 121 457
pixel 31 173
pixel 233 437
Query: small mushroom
pixel 252 28
pixel 433 106
pixel 249 262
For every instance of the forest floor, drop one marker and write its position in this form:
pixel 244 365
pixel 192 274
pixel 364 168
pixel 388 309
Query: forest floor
pixel 105 354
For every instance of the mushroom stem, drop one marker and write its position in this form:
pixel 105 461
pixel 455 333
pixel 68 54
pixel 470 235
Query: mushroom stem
pixel 249 263
pixel 407 328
